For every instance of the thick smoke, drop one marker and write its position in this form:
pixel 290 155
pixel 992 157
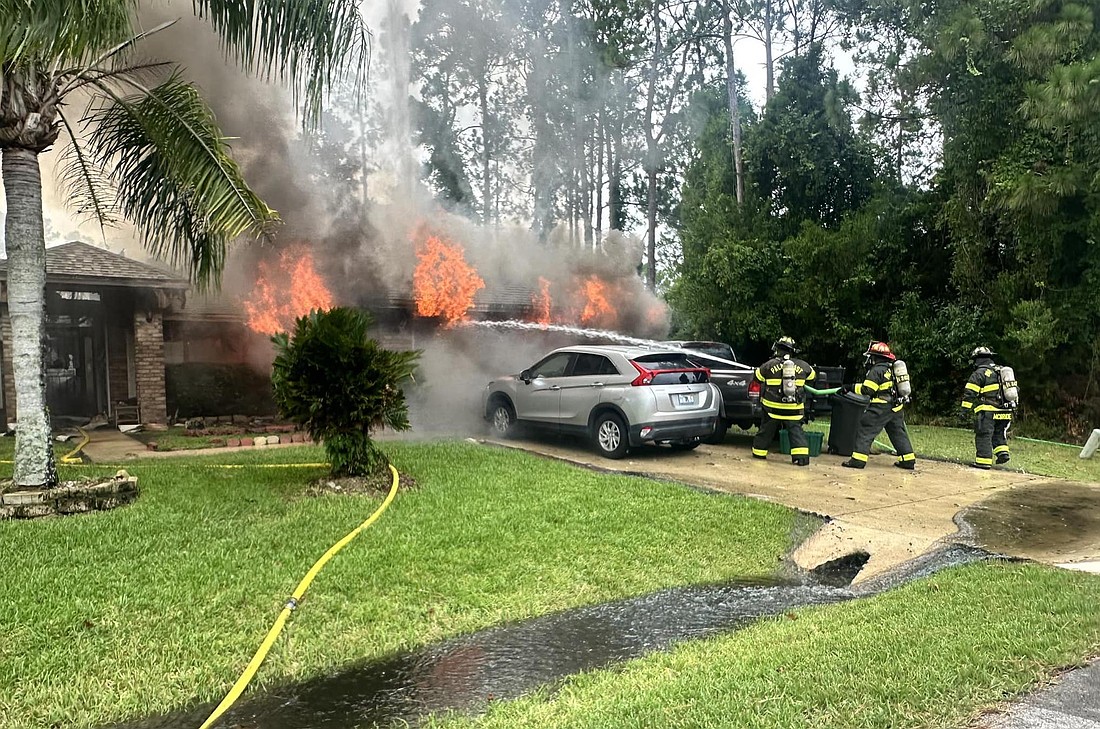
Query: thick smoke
pixel 368 253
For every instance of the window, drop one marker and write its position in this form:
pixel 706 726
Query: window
pixel 553 366
pixel 593 364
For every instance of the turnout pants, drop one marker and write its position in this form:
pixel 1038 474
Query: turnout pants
pixel 769 426
pixel 991 436
pixel 875 419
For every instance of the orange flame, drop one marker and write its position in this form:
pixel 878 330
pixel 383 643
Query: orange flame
pixel 597 309
pixel 285 292
pixel 541 303
pixel 444 285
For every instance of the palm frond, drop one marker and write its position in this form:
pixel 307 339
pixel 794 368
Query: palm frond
pixel 83 184
pixel 174 176
pixel 45 31
pixel 309 45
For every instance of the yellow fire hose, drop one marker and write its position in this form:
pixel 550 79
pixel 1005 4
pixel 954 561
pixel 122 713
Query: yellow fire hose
pixel 291 605
pixel 71 456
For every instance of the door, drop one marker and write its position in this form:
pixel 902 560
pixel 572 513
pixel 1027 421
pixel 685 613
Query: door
pixel 582 389
pixel 539 397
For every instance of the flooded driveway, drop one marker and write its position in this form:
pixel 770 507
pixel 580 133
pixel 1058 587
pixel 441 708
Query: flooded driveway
pixel 890 514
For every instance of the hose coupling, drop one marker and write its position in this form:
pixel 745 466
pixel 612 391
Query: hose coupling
pixel 291 604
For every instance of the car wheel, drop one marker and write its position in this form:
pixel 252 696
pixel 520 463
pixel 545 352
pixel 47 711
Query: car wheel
pixel 610 436
pixel 502 419
pixel 719 435
pixel 685 445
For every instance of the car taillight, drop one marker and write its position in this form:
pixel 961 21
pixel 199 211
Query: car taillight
pixel 754 388
pixel 644 376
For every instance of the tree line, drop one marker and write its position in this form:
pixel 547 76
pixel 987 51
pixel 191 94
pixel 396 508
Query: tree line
pixel 947 200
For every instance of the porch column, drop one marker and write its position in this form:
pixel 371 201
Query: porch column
pixel 149 365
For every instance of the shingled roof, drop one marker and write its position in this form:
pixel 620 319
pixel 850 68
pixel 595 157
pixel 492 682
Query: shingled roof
pixel 79 262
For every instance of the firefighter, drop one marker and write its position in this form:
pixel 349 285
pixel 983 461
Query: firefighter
pixel 887 385
pixel 992 395
pixel 783 383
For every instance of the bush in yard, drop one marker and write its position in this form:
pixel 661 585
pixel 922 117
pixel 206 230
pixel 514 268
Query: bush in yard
pixel 336 382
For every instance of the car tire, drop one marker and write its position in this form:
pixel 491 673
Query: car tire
pixel 502 419
pixel 689 445
pixel 719 435
pixel 610 436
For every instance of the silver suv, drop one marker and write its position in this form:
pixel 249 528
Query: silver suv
pixel 618 396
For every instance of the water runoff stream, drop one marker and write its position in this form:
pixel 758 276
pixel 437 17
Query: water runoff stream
pixel 468 673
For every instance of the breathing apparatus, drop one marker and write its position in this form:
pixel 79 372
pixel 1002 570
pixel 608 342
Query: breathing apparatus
pixel 785 347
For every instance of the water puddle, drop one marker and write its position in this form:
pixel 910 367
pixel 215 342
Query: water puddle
pixel 1045 521
pixel 466 674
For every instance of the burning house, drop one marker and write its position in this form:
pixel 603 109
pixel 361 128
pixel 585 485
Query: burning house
pixel 130 341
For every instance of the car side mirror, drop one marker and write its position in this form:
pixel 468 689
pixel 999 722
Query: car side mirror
pixel 526 376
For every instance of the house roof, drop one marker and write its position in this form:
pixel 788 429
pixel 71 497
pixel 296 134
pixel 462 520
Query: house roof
pixel 83 263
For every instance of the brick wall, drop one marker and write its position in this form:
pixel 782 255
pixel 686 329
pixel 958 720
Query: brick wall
pixel 149 366
pixel 7 373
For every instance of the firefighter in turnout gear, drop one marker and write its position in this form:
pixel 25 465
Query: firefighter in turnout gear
pixel 991 394
pixel 783 383
pixel 887 385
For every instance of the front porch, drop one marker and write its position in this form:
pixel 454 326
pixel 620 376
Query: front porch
pixel 104 339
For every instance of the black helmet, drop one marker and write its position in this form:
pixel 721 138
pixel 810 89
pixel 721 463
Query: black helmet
pixel 785 344
pixel 980 352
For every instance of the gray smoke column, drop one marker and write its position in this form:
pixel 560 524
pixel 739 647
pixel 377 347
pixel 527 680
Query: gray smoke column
pixel 370 254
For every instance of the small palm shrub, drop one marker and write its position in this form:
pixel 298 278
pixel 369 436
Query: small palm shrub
pixel 331 378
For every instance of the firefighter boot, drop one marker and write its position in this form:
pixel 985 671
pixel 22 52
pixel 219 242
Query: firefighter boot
pixel 800 460
pixel 1002 458
pixel 907 465
pixel 853 463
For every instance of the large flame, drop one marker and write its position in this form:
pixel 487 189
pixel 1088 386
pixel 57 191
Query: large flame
pixel 444 284
pixel 286 291
pixel 540 303
pixel 597 309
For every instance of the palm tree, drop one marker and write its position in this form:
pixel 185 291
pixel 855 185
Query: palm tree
pixel 146 148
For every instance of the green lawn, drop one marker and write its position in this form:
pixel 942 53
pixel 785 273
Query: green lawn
pixel 930 654
pixel 140 609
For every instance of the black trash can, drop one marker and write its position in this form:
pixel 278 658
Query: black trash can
pixel 847 409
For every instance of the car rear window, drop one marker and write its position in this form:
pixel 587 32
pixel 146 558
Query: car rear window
pixel 672 368
pixel 682 377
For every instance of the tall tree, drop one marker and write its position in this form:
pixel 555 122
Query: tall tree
pixel 150 153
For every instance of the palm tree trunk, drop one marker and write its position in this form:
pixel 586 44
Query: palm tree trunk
pixel 26 248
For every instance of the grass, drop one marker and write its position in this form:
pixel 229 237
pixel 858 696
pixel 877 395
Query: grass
pixel 930 654
pixel 139 610
pixel 143 609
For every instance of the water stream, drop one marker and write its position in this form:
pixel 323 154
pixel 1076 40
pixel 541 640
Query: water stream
pixel 467 673
pixel 530 326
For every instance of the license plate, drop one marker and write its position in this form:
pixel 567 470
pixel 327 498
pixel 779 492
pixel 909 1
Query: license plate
pixel 685 399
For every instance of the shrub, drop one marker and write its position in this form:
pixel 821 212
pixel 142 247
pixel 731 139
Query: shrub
pixel 336 382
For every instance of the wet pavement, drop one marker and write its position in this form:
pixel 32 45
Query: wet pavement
pixel 890 514
pixel 1072 703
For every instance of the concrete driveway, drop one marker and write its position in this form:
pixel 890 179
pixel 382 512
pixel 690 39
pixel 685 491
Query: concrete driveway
pixel 891 514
